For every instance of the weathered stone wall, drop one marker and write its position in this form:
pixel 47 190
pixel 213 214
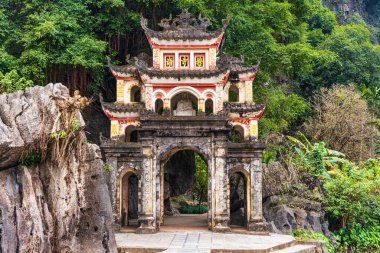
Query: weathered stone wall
pixel 46 207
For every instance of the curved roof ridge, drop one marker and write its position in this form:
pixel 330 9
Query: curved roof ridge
pixel 184 27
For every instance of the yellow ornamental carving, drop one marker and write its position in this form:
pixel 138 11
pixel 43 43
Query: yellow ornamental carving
pixel 254 129
pixel 120 91
pixel 199 62
pixel 114 128
pixel 169 61
pixel 156 58
pixel 184 61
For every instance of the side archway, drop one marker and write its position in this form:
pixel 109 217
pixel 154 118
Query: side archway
pixel 131 134
pixel 237 134
pixel 239 182
pixel 135 94
pixel 233 93
pixel 127 197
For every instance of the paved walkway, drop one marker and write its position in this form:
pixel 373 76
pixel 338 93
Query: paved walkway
pixel 201 242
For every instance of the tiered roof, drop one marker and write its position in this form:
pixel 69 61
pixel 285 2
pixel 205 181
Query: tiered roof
pixel 226 64
pixel 184 27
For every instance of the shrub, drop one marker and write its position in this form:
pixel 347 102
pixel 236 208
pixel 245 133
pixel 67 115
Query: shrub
pixel 107 167
pixel 304 235
pixel 30 159
pixel 191 209
pixel 359 238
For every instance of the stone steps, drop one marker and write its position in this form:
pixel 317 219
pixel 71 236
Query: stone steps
pixel 298 248
pixel 209 242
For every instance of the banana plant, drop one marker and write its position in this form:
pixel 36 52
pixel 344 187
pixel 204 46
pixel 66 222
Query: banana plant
pixel 323 161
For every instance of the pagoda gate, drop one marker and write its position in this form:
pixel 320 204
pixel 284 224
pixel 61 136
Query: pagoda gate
pixel 185 97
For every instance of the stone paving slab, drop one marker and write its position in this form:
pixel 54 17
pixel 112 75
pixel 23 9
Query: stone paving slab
pixel 201 242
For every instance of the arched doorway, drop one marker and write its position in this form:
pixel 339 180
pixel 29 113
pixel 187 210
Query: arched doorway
pixel 184 104
pixel 135 94
pixel 131 134
pixel 159 106
pixel 129 200
pixel 238 200
pixel 184 198
pixel 209 107
pixel 237 134
pixel 233 93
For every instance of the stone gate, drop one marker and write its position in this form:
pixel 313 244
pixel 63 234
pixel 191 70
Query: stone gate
pixel 186 98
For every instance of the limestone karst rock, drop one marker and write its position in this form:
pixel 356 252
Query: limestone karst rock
pixel 45 207
pixel 286 209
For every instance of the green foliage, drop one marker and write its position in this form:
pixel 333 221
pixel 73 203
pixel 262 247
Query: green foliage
pixel 282 111
pixel 199 191
pixel 304 235
pixel 362 239
pixel 193 209
pixel 107 167
pixel 58 135
pixel 12 81
pixel 315 159
pixel 372 95
pixel 30 159
pixel 235 136
pixel 351 191
pixel 358 60
pixel 75 125
pixel 353 196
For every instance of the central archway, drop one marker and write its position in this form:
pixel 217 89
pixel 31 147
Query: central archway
pixel 184 190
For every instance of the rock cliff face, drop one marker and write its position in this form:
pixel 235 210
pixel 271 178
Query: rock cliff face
pixel 47 207
pixel 287 205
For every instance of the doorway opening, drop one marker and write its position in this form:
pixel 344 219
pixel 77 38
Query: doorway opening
pixel 129 203
pixel 238 200
pixel 237 134
pixel 184 191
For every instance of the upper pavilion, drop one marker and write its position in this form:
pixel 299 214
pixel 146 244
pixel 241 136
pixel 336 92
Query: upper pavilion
pixel 185 77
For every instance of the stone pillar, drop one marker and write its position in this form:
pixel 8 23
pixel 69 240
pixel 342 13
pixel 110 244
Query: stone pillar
pixel 220 175
pixel 256 215
pixel 218 101
pixel 149 97
pixel 146 215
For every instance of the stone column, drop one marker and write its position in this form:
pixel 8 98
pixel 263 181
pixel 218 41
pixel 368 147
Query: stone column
pixel 218 101
pixel 149 97
pixel 256 215
pixel 146 215
pixel 220 182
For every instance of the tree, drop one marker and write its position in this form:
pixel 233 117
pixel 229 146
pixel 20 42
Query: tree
pixel 12 81
pixel 282 111
pixel 201 182
pixel 342 120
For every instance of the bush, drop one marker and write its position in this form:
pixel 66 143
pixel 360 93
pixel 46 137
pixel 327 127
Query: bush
pixel 359 238
pixel 191 209
pixel 304 235
pixel 30 159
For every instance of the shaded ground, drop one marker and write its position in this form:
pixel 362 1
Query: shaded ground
pixel 185 222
